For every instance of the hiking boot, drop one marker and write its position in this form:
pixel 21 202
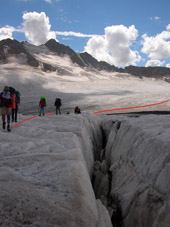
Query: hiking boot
pixel 3 125
pixel 8 128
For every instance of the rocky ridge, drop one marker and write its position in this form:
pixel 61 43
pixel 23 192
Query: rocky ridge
pixel 10 47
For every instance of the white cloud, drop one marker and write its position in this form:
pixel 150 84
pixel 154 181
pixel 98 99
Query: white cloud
pixel 155 18
pixel 37 27
pixel 65 19
pixel 114 46
pixel 76 34
pixel 168 65
pixel 154 62
pixel 6 32
pixel 67 38
pixel 22 0
pixel 48 1
pixel 168 27
pixel 158 46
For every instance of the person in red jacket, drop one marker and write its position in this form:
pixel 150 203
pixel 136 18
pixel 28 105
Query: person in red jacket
pixel 42 104
pixel 77 110
pixel 6 104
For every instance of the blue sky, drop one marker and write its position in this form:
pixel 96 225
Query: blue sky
pixel 121 32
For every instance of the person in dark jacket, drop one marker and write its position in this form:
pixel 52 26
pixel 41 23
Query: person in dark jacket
pixel 6 104
pixel 58 105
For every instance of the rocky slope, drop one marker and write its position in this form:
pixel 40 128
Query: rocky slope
pixel 156 72
pixel 10 48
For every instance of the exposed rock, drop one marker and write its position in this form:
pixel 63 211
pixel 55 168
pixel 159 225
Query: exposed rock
pixel 155 72
pixel 13 47
pixel 62 50
pixel 167 79
pixel 106 66
pixel 92 62
pixel 89 60
pixel 48 67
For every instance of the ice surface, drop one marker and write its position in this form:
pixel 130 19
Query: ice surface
pixel 139 157
pixel 45 169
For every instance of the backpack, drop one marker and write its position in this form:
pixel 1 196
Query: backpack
pixel 42 103
pixel 18 97
pixel 43 97
pixel 4 104
pixel 58 102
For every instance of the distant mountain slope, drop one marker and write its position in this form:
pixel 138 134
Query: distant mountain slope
pixel 10 48
pixel 62 50
pixel 156 72
pixel 92 62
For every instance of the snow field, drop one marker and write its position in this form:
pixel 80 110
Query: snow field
pixel 89 89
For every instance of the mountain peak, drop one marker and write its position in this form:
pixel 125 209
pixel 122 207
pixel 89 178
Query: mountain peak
pixel 10 47
pixel 51 41
pixel 62 50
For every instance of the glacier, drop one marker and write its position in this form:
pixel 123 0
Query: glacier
pixel 138 155
pixel 45 170
pixel 84 170
pixel 47 164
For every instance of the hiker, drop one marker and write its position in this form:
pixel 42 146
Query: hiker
pixel 58 105
pixel 17 103
pixel 77 110
pixel 6 104
pixel 42 105
pixel 15 95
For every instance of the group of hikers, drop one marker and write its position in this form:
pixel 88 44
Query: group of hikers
pixel 43 103
pixel 57 104
pixel 10 100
